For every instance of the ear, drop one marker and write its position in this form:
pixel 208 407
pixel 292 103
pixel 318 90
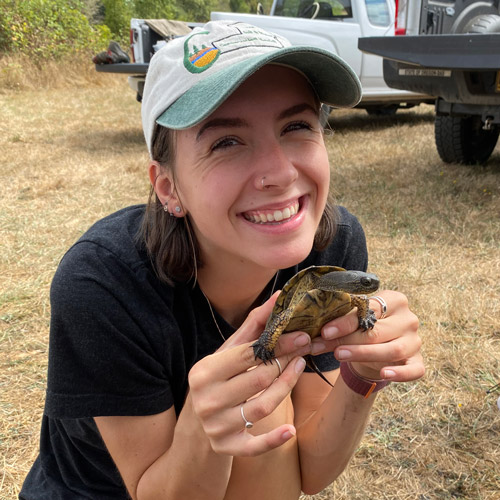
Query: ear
pixel 162 181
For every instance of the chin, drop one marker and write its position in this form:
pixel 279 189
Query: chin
pixel 289 255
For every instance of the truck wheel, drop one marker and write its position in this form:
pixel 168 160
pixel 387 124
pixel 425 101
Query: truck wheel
pixel 463 139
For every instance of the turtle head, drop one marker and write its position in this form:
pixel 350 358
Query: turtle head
pixel 355 282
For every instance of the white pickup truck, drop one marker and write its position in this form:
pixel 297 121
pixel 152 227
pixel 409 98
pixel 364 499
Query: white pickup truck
pixel 334 25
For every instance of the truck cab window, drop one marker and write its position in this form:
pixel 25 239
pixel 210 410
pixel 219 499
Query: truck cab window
pixel 378 12
pixel 309 9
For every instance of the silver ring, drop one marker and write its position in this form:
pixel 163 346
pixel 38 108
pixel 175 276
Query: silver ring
pixel 279 366
pixel 248 425
pixel 383 305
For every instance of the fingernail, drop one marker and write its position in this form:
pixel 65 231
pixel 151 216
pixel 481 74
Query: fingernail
pixel 330 332
pixel 388 373
pixel 343 354
pixel 300 365
pixel 302 340
pixel 288 434
pixel 317 347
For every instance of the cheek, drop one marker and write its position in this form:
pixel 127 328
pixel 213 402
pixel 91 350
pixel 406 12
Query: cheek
pixel 209 197
pixel 318 169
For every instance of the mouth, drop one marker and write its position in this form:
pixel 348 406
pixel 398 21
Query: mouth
pixel 276 216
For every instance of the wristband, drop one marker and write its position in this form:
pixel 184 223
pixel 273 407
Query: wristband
pixel 358 383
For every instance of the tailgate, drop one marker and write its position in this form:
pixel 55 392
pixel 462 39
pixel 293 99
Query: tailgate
pixel 460 51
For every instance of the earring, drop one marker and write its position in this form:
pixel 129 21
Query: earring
pixel 177 209
pixel 263 180
pixel 165 207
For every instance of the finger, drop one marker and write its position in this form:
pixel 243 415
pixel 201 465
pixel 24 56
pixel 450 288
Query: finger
pixel 379 334
pixel 247 445
pixel 267 401
pixel 224 365
pixel 257 445
pixel 253 325
pixel 254 381
pixel 412 369
pixel 219 425
pixel 394 351
pixel 379 306
pixel 349 323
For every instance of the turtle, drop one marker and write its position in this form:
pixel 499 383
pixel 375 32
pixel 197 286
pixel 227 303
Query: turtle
pixel 311 298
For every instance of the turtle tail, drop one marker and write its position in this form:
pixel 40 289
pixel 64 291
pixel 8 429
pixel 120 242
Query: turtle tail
pixel 312 365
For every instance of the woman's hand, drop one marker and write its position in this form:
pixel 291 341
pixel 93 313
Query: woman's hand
pixel 390 351
pixel 224 381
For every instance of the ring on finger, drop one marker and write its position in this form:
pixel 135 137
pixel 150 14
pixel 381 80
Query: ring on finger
pixel 279 366
pixel 248 424
pixel 383 305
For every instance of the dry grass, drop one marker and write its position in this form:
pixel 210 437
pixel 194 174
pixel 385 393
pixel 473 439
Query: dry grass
pixel 21 72
pixel 71 154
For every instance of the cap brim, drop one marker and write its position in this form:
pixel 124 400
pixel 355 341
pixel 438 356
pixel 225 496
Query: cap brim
pixel 333 80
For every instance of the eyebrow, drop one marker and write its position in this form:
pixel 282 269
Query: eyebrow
pixel 239 122
pixel 221 122
pixel 297 109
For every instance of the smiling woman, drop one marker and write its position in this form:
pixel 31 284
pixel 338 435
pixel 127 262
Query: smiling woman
pixel 153 387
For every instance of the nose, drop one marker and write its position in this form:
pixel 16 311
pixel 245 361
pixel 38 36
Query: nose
pixel 275 168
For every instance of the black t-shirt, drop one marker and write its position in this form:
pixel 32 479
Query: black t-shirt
pixel 122 343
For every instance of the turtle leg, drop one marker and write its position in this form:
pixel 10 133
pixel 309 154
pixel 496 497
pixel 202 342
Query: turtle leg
pixel 366 316
pixel 263 348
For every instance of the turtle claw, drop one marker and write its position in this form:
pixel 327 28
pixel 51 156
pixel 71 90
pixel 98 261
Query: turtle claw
pixel 368 322
pixel 262 352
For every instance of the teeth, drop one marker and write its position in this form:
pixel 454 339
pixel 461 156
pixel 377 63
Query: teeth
pixel 276 216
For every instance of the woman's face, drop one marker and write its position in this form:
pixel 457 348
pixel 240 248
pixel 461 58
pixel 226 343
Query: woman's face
pixel 254 176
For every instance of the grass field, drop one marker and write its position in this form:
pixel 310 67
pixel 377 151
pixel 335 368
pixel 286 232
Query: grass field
pixel 71 155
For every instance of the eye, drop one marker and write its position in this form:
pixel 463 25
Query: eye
pixel 366 281
pixel 298 125
pixel 224 142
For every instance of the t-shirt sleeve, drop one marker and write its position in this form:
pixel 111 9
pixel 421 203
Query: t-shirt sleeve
pixel 106 353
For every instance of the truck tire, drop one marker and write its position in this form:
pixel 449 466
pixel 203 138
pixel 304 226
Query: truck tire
pixel 462 139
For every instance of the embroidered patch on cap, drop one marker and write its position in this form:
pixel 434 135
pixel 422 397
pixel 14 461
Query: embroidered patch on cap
pixel 201 51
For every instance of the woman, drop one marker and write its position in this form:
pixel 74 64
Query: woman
pixel 153 388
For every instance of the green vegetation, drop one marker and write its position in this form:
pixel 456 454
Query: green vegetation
pixel 52 29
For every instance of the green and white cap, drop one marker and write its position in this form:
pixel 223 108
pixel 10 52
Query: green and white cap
pixel 192 75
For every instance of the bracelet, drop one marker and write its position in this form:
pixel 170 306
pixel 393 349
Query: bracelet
pixel 358 383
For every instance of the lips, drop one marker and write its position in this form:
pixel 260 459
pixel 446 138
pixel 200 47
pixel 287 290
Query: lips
pixel 273 216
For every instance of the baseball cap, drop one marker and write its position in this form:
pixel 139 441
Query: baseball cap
pixel 192 75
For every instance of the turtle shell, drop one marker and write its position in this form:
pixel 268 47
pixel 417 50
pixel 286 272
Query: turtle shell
pixel 312 307
pixel 310 299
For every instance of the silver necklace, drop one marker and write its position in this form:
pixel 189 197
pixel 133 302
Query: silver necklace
pixel 212 311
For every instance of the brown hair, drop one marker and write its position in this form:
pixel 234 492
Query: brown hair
pixel 171 242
